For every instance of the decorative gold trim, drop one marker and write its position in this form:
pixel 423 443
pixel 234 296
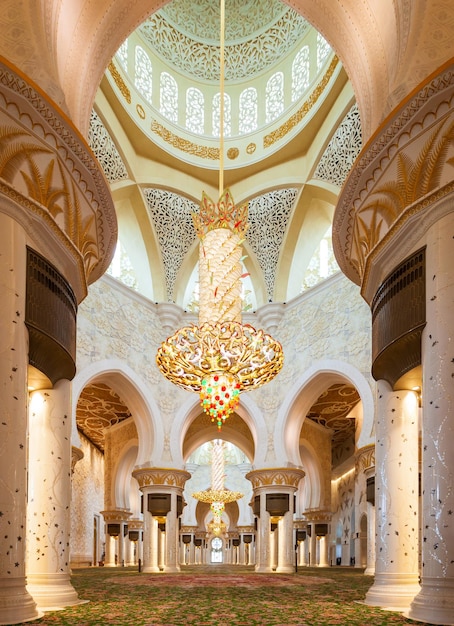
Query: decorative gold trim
pixel 217 495
pixel 76 456
pixel 282 477
pixel 203 152
pixel 391 147
pixel 117 515
pixel 365 458
pixel 296 118
pixel 316 515
pixel 414 209
pixel 233 153
pixel 149 476
pixel 37 209
pixel 140 111
pixel 120 82
pixel 73 168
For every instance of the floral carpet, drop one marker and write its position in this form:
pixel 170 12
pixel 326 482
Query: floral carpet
pixel 222 596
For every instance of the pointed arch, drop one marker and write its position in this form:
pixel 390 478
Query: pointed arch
pixel 134 393
pixel 248 411
pixel 124 496
pixel 303 394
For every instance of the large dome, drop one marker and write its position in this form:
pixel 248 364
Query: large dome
pixel 258 34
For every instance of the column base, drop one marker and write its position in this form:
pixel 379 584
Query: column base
pixel 264 569
pixel 435 602
pixel 171 569
pixel 16 604
pixel 393 591
pixel 285 569
pixel 150 569
pixel 52 592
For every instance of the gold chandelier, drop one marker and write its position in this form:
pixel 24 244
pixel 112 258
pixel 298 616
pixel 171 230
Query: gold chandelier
pixel 217 496
pixel 220 357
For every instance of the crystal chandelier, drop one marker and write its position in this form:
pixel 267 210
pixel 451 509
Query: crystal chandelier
pixel 217 496
pixel 220 357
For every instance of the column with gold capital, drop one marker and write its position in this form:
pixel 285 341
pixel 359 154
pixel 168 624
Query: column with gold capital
pixel 275 488
pixel 320 533
pixel 365 508
pixel 163 499
pixel 115 520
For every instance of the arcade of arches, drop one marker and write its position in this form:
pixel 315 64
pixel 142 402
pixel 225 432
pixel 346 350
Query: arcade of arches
pixel 341 140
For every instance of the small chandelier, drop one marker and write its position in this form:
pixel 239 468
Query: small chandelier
pixel 217 496
pixel 220 357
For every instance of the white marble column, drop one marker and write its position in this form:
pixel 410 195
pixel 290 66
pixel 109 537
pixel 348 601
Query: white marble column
pixel 171 561
pixel 264 534
pixel 121 545
pixel 49 498
pixel 323 550
pixel 345 559
pixel 192 551
pixel 302 552
pixel 109 559
pixel 131 552
pixel 286 548
pixel 273 548
pixel 140 548
pixel 161 549
pixel 435 602
pixel 313 547
pixel 16 604
pixel 241 555
pixel 396 499
pixel 151 536
pixel 370 567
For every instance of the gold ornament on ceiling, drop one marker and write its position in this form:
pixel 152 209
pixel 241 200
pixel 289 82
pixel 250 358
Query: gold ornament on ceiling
pixel 98 408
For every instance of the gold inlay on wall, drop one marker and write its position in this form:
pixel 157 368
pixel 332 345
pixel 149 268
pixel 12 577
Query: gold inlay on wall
pixel 296 118
pixel 120 82
pixel 204 152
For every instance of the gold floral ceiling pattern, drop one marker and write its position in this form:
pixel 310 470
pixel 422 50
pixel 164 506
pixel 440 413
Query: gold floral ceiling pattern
pixel 332 409
pixel 99 407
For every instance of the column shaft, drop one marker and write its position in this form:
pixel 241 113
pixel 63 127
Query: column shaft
pixel 370 569
pixel 16 604
pixel 264 531
pixel 435 602
pixel 323 547
pixel 171 563
pixel 313 547
pixel 109 559
pixel 150 543
pixel 396 500
pixel 286 554
pixel 48 515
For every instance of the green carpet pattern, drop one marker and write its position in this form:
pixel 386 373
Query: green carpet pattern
pixel 222 596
